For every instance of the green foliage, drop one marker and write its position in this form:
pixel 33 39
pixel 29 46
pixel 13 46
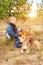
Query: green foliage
pixel 21 2
pixel 5 6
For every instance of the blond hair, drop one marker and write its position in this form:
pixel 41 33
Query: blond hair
pixel 12 19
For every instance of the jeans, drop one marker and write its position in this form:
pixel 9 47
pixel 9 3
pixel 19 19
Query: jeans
pixel 11 33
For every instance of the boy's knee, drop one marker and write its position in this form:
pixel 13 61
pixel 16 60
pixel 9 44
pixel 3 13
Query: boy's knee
pixel 15 35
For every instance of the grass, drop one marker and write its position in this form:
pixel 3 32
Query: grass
pixel 14 57
pixel 9 55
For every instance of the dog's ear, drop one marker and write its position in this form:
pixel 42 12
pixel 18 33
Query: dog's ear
pixel 20 34
pixel 28 44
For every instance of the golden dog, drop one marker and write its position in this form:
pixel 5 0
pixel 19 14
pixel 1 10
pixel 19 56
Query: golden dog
pixel 24 38
pixel 25 44
pixel 27 39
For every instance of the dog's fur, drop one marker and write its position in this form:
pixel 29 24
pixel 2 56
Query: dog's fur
pixel 37 44
pixel 25 44
pixel 24 38
pixel 28 40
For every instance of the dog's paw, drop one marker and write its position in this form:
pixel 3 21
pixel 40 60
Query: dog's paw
pixel 38 49
pixel 27 51
pixel 22 51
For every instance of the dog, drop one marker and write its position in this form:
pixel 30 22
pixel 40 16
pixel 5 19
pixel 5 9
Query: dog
pixel 25 44
pixel 24 39
pixel 27 39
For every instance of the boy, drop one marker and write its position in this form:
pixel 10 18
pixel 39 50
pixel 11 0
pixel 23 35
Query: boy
pixel 11 31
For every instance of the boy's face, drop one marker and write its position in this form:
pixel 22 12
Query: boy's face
pixel 12 20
